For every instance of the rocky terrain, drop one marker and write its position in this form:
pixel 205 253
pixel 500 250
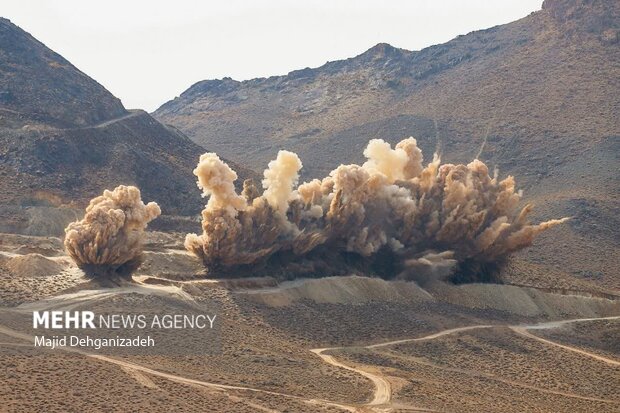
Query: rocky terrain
pixel 64 139
pixel 40 86
pixel 334 344
pixel 537 98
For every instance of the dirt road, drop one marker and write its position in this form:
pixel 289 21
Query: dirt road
pixel 383 390
pixel 173 377
pixel 382 395
pixel 523 331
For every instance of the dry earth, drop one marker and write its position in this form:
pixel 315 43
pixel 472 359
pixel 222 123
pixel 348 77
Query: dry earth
pixel 332 344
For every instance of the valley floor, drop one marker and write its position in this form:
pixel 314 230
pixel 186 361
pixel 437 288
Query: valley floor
pixel 321 345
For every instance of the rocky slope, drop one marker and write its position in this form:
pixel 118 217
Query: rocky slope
pixel 37 84
pixel 64 138
pixel 538 98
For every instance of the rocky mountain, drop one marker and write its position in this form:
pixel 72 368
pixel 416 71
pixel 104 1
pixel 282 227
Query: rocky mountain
pixel 538 98
pixel 64 138
pixel 38 85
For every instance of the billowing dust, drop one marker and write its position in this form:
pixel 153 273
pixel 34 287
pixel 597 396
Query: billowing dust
pixel 391 216
pixel 108 241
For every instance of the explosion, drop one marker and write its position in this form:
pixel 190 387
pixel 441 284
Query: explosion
pixel 108 241
pixel 390 216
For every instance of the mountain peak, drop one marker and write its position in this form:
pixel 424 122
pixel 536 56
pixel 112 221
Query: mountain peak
pixel 382 51
pixel 215 87
pixel 67 138
pixel 37 84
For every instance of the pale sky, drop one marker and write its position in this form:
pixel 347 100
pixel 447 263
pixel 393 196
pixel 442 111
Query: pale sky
pixel 148 52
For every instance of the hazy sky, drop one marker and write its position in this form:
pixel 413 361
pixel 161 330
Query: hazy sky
pixel 147 52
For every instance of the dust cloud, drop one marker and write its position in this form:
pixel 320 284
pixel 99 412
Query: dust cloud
pixel 107 242
pixel 391 217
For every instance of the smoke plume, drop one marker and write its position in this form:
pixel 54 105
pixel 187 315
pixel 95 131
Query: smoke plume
pixel 108 240
pixel 390 216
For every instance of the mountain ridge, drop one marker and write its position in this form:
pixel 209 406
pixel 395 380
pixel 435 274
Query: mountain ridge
pixel 64 139
pixel 27 73
pixel 538 98
pixel 564 12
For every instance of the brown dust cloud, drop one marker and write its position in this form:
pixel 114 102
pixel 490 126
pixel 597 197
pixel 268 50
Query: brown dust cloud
pixel 392 216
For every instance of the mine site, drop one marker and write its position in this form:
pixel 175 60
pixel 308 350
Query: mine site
pixel 430 230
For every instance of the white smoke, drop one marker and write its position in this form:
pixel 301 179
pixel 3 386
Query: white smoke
pixel 281 177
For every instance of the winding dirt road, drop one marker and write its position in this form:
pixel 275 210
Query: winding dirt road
pixel 431 336
pixel 523 331
pixel 382 395
pixel 173 377
pixel 383 390
pixel 70 301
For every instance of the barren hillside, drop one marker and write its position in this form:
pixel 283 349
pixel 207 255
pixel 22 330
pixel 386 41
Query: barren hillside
pixel 64 138
pixel 539 98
